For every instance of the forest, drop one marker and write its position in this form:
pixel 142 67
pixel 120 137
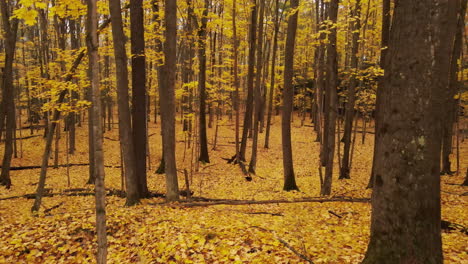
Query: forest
pixel 233 131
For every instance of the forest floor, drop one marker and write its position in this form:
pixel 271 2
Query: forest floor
pixel 287 230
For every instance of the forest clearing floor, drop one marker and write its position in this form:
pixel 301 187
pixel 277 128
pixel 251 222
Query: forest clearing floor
pixel 155 232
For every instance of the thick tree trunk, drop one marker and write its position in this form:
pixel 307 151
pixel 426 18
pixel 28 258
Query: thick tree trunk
pixel 204 157
pixel 349 115
pixel 139 113
pixel 405 222
pixel 10 28
pixel 125 129
pixel 331 101
pixel 288 98
pixel 92 43
pixel 168 104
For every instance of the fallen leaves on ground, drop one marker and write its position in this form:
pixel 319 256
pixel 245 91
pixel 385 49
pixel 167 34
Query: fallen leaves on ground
pixel 155 232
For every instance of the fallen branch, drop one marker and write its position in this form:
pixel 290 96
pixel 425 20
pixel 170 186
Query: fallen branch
pixel 52 208
pixel 335 214
pixel 247 202
pixel 286 244
pixel 267 213
pixel 90 192
pixel 211 165
pixel 27 137
pixel 61 165
pixel 302 256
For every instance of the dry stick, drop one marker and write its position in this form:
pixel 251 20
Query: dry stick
pixel 335 214
pixel 302 256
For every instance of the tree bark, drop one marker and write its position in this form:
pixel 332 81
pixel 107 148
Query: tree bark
pixel 451 107
pixel 139 97
pixel 250 80
pixel 204 156
pixel 125 129
pixel 236 77
pixel 288 98
pixel 159 48
pixel 331 101
pixel 10 28
pixel 93 43
pixel 405 221
pixel 349 115
pixel 386 20
pixel 258 89
pixel 272 75
pixel 168 104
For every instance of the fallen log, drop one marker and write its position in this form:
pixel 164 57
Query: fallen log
pixel 209 202
pixel 61 165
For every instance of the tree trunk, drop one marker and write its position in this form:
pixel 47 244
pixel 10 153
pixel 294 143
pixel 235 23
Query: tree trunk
pixel 139 113
pixel 405 221
pixel 386 20
pixel 288 98
pixel 159 48
pixel 236 77
pixel 258 89
pixel 451 107
pixel 125 129
pixel 168 104
pixel 331 101
pixel 250 79
pixel 92 43
pixel 273 75
pixel 10 28
pixel 204 157
pixel 349 115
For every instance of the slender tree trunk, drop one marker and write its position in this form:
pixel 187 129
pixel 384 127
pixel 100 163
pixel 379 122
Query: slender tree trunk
pixel 288 98
pixel 139 113
pixel 386 20
pixel 236 77
pixel 204 157
pixel 405 221
pixel 92 43
pixel 272 75
pixel 331 101
pixel 258 89
pixel 451 108
pixel 168 104
pixel 349 115
pixel 250 80
pixel 159 48
pixel 125 129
